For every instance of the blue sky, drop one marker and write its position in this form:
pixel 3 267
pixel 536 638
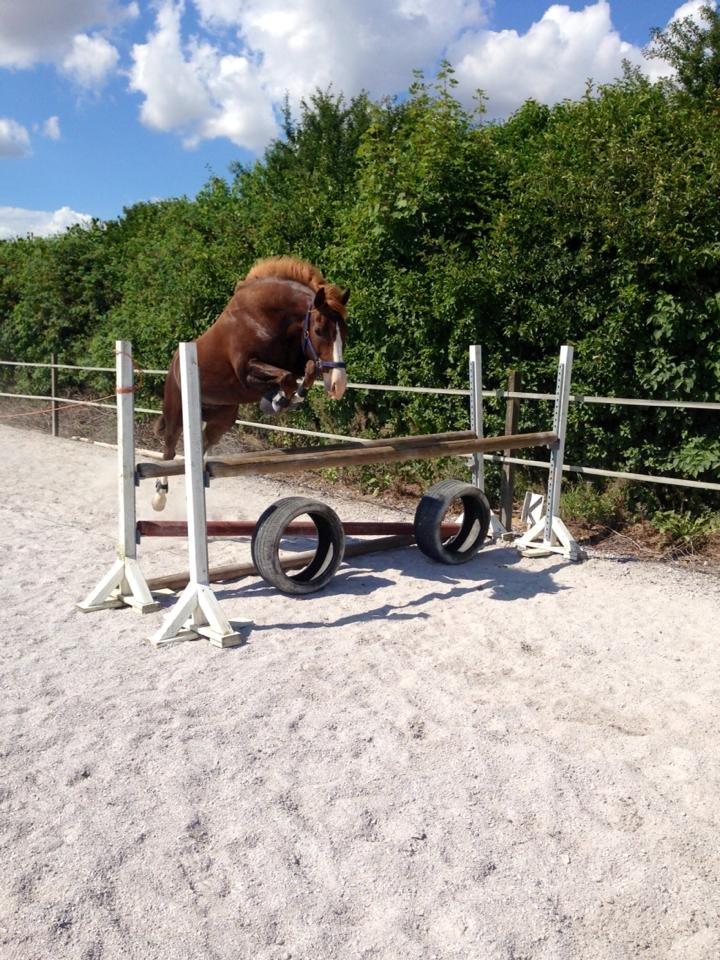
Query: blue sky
pixel 104 103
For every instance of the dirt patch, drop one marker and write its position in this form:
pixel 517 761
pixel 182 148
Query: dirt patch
pixel 507 758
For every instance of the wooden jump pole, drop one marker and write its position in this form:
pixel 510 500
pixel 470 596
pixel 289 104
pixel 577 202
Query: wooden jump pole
pixel 234 571
pixel 172 468
pixel 246 528
pixel 388 451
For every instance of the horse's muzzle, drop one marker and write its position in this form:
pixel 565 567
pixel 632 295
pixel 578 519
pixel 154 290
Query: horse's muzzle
pixel 335 382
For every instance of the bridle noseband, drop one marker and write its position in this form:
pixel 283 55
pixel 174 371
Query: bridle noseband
pixel 311 353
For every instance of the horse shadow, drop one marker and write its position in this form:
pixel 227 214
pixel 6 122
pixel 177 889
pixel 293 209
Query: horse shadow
pixel 497 572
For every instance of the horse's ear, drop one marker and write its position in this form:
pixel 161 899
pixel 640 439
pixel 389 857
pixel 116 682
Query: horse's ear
pixel 345 296
pixel 319 297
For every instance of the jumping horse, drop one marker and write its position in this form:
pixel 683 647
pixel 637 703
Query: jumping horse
pixel 283 324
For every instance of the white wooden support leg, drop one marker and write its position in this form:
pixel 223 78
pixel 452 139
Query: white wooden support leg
pixel 197 612
pixel 124 584
pixel 549 534
pixel 477 425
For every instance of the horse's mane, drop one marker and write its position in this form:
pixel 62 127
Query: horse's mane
pixel 287 268
pixel 301 271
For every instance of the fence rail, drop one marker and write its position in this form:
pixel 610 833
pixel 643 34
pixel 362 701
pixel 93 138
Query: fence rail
pixel 433 391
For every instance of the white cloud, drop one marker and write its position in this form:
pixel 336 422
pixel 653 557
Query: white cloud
pixel 657 69
pixel 51 128
pixel 553 60
pixel 90 60
pixel 35 31
pixel 374 45
pixel 263 49
pixel 14 138
pixel 691 9
pixel 196 90
pixel 17 222
pixel 550 62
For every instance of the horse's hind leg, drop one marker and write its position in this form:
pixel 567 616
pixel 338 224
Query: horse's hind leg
pixel 217 422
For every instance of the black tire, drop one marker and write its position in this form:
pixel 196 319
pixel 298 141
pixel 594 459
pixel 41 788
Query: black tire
pixel 265 545
pixel 431 512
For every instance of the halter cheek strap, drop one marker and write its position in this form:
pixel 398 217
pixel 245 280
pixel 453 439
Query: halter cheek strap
pixel 311 353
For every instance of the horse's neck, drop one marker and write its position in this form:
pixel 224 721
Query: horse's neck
pixel 294 285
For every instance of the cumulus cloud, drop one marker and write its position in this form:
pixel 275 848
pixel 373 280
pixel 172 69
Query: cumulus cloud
pixel 14 138
pixel 17 222
pixel 262 50
pixel 656 69
pixel 691 9
pixel 374 45
pixel 553 60
pixel 34 31
pixel 550 62
pixel 51 128
pixel 198 91
pixel 90 60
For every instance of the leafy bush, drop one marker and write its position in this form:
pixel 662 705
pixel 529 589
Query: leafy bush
pixel 589 503
pixel 592 222
pixel 684 531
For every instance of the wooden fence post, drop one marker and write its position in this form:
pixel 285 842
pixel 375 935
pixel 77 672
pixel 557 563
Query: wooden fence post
pixel 507 491
pixel 55 415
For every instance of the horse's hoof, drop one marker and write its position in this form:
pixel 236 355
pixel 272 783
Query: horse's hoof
pixel 267 407
pixel 280 403
pixel 159 501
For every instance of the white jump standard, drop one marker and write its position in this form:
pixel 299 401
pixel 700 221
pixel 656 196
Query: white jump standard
pixel 124 584
pixel 197 612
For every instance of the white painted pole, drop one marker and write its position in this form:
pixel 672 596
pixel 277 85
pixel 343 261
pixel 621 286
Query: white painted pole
pixel 127 546
pixel 197 612
pixel 476 413
pixel 194 465
pixel 124 584
pixel 478 426
pixel 562 400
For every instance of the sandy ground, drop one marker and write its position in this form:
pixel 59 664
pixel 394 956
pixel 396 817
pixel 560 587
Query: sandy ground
pixel 509 759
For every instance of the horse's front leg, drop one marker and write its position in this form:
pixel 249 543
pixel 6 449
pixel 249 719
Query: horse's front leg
pixel 308 381
pixel 168 428
pixel 277 385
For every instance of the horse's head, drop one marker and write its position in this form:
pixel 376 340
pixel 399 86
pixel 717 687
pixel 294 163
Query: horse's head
pixel 325 335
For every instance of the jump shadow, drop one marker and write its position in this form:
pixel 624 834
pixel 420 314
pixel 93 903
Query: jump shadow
pixel 495 572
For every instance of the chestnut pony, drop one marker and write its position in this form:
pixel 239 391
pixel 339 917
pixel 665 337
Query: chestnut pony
pixel 283 323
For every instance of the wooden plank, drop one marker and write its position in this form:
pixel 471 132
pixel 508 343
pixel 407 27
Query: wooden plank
pixel 168 468
pixel 507 490
pixel 236 571
pixel 246 528
pixel 389 453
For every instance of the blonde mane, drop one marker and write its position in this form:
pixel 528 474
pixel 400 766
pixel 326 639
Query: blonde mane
pixel 287 268
pixel 301 271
